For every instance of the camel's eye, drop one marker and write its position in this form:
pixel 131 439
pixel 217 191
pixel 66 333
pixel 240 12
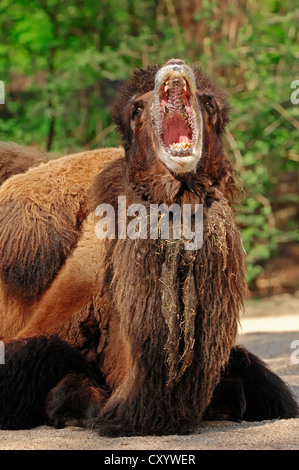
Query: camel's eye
pixel 209 105
pixel 137 110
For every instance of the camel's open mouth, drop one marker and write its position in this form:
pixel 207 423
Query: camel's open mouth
pixel 177 117
pixel 177 129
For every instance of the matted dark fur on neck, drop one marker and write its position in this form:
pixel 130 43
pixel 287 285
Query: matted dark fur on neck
pixel 179 311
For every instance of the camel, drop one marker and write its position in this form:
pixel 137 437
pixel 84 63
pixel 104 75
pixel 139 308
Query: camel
pixel 154 319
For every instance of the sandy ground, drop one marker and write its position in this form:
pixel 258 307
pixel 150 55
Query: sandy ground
pixel 269 327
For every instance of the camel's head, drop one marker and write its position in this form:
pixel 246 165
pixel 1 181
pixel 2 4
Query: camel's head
pixel 170 114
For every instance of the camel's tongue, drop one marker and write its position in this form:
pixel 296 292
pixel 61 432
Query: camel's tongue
pixel 176 130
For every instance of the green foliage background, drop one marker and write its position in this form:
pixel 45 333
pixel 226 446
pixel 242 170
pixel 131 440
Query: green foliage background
pixel 63 61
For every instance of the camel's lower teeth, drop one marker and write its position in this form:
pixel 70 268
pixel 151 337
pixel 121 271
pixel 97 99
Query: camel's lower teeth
pixel 180 145
pixel 181 148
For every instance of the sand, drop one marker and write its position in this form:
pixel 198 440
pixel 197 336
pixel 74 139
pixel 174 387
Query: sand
pixel 269 328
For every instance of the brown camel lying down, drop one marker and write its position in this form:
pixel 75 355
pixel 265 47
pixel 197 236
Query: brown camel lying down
pixel 151 320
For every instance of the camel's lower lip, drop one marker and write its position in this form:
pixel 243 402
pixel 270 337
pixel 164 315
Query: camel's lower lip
pixel 182 159
pixel 179 164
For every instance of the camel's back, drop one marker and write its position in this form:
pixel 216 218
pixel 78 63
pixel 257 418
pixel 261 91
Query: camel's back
pixel 41 216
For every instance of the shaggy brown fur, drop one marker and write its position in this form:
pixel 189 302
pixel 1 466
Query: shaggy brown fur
pixel 15 159
pixel 33 367
pixel 40 221
pixel 159 321
pixel 74 401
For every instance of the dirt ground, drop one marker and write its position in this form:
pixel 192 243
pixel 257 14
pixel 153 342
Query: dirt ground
pixel 269 329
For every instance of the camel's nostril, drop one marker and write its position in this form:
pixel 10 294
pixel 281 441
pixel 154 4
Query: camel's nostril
pixel 175 62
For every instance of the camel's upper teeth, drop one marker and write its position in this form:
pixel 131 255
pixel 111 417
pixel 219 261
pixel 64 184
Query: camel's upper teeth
pixel 167 85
